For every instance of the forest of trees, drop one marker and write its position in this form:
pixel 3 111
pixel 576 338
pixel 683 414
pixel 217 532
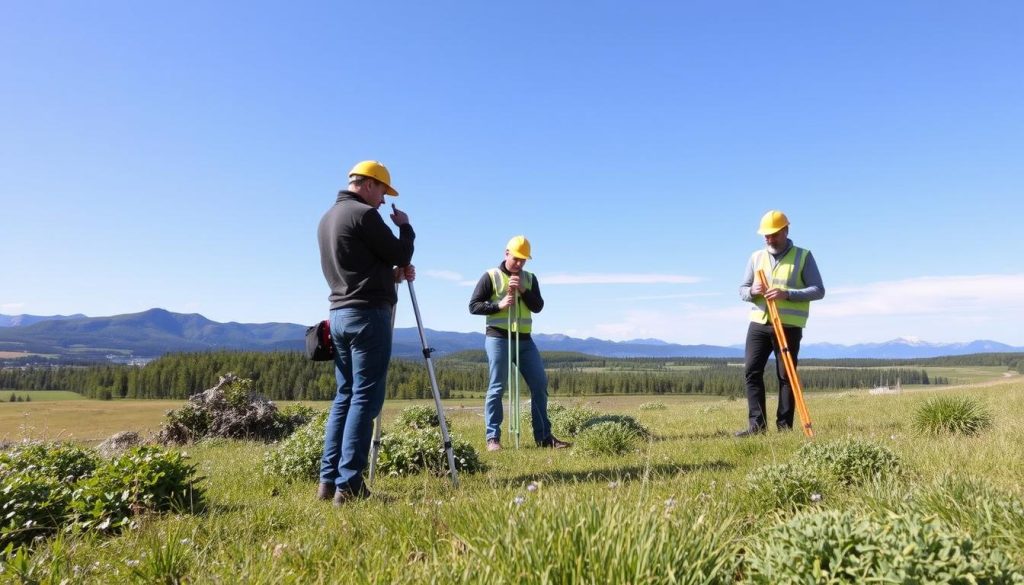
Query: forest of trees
pixel 290 376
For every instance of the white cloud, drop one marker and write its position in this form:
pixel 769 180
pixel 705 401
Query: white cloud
pixel 941 296
pixel 935 309
pixel 621 278
pixel 444 275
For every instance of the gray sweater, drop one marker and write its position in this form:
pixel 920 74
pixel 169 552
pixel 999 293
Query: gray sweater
pixel 813 290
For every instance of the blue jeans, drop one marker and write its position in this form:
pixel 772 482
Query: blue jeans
pixel 362 338
pixel 532 369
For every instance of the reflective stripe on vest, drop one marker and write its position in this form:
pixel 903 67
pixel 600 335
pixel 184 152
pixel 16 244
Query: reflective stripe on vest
pixel 499 286
pixel 787 274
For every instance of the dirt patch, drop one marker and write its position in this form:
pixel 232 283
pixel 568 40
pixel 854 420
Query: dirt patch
pixel 6 355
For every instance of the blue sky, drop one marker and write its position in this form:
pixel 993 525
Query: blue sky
pixel 180 155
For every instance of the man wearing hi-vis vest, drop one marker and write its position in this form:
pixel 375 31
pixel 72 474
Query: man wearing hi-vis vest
pixel 793 282
pixel 494 296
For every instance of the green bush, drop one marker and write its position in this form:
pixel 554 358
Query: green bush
pixel 419 417
pixel 952 415
pixel 298 456
pixel 653 406
pixel 406 450
pixel 143 479
pixel 844 547
pixel 32 504
pixel 622 419
pixel 785 486
pixel 409 451
pixel 568 422
pixel 609 437
pixel 63 461
pixel 850 461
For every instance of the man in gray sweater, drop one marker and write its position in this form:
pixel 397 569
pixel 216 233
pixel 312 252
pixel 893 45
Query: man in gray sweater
pixel 793 282
pixel 361 260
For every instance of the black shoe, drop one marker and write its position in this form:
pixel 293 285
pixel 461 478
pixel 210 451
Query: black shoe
pixel 325 491
pixel 748 433
pixel 784 428
pixel 554 443
pixel 343 496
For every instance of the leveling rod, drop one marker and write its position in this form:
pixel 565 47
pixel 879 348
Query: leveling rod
pixel 787 359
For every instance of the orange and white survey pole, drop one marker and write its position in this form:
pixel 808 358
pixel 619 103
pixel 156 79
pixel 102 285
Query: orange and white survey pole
pixel 787 359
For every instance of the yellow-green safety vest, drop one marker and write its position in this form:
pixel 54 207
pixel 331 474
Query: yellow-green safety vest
pixel 787 274
pixel 499 284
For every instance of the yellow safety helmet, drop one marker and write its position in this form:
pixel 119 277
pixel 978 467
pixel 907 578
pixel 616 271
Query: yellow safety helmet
pixel 376 170
pixel 519 246
pixel 772 222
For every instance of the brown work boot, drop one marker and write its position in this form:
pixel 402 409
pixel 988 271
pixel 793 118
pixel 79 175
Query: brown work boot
pixel 343 496
pixel 554 443
pixel 493 445
pixel 325 491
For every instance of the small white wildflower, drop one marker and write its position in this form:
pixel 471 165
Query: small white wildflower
pixel 132 562
pixel 185 541
pixel 815 497
pixel 518 500
pixel 670 503
pixel 532 487
pixel 613 484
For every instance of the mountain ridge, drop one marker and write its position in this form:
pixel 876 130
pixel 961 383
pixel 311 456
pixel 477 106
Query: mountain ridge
pixel 156 331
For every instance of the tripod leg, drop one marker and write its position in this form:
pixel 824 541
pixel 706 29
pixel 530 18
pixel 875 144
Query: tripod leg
pixel 446 438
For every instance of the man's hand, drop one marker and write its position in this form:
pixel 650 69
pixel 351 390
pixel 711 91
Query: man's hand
pixel 776 294
pixel 398 216
pixel 513 283
pixel 405 273
pixel 756 289
pixel 506 301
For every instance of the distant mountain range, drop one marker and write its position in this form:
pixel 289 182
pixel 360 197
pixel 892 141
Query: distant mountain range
pixel 154 332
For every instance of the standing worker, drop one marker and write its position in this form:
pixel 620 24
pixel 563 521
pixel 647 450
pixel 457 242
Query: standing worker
pixel 494 296
pixel 794 281
pixel 359 255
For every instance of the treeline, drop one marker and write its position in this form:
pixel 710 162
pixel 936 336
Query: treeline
pixel 290 376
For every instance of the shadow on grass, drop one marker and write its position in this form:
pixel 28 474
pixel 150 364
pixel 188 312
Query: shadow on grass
pixel 698 436
pixel 623 473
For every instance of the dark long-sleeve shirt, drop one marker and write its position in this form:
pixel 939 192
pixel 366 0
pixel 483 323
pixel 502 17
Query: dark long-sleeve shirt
pixel 481 304
pixel 358 253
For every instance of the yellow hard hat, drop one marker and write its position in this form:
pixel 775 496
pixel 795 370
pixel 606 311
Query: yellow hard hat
pixel 519 246
pixel 772 222
pixel 376 170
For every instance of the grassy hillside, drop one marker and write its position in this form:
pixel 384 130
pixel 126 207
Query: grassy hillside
pixel 692 501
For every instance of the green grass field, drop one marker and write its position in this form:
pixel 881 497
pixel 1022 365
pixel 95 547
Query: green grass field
pixel 682 509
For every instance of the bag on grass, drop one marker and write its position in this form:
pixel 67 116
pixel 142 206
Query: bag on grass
pixel 319 345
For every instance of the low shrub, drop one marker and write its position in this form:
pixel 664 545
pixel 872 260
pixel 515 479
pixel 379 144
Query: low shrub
pixel 419 417
pixel 299 455
pixel 143 479
pixel 568 422
pixel 62 461
pixel 961 415
pixel 850 461
pixel 845 547
pixel 653 406
pixel 46 488
pixel 32 504
pixel 785 486
pixel 622 419
pixel 608 437
pixel 409 451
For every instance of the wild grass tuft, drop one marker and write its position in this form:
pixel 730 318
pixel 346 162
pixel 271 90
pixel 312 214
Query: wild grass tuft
pixel 962 415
